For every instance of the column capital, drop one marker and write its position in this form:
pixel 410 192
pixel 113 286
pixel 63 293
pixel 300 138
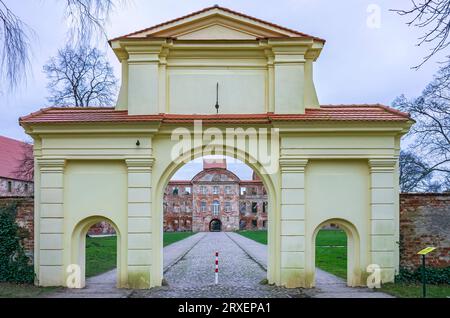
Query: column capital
pixel 55 165
pixel 293 164
pixel 382 164
pixel 140 164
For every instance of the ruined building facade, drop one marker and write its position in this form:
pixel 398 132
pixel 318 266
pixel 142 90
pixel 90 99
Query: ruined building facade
pixel 215 200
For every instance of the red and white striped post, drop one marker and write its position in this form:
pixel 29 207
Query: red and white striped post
pixel 217 269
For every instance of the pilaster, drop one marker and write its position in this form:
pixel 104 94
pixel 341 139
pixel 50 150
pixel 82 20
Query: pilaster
pixel 139 222
pixel 293 222
pixel 51 222
pixel 383 215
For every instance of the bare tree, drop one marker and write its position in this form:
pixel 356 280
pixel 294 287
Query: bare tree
pixel 430 136
pixel 86 18
pixel 434 16
pixel 415 175
pixel 14 46
pixel 25 167
pixel 80 77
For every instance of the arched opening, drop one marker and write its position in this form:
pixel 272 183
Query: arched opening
pixel 336 252
pixel 216 201
pixel 215 226
pixel 96 243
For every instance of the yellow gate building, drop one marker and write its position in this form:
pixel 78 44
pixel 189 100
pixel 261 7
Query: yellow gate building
pixel 320 164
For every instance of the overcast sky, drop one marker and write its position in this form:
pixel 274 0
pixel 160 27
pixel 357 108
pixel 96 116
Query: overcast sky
pixel 359 64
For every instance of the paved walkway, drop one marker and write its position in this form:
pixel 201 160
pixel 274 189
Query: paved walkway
pixel 189 273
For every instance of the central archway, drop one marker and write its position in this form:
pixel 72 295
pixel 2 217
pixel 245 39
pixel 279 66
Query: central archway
pixel 164 171
pixel 215 225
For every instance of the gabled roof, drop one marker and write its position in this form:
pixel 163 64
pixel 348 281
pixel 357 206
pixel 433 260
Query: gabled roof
pixel 326 113
pixel 157 30
pixel 11 155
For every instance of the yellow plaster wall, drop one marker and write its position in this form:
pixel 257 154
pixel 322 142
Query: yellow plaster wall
pixel 338 190
pixel 91 189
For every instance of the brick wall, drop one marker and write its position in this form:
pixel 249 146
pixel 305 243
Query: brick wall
pixel 24 218
pixel 424 221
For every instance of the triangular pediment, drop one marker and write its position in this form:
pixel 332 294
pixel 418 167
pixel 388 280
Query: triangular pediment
pixel 216 23
pixel 216 32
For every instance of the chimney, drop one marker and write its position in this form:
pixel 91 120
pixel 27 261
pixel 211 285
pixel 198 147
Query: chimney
pixel 214 164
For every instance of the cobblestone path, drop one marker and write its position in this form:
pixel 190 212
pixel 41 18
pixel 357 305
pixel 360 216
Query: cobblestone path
pixel 239 275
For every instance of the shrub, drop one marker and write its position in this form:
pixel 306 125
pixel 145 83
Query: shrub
pixel 15 265
pixel 433 275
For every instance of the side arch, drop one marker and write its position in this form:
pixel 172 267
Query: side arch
pixel 353 250
pixel 78 247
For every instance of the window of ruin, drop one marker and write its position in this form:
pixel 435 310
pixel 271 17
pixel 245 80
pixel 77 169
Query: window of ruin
pixel 203 206
pixel 264 191
pixel 253 191
pixel 265 224
pixel 254 207
pixel 254 223
pixel 26 187
pixel 227 206
pixel 215 190
pixel 187 190
pixel 243 190
pixel 264 207
pixel 216 207
pixel 9 186
pixel 203 190
pixel 242 207
pixel 227 190
pixel 175 191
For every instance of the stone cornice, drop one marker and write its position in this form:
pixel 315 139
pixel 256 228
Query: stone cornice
pixel 140 164
pixel 51 165
pixel 293 164
pixel 382 164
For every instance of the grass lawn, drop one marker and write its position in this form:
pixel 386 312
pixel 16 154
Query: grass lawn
pixel 8 290
pixel 258 236
pixel 415 290
pixel 101 254
pixel 331 252
pixel 172 237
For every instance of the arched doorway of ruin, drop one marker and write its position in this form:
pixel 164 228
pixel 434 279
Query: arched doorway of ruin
pixel 215 225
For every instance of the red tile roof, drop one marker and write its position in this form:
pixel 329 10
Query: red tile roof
pixel 11 154
pixel 326 113
pixel 301 34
